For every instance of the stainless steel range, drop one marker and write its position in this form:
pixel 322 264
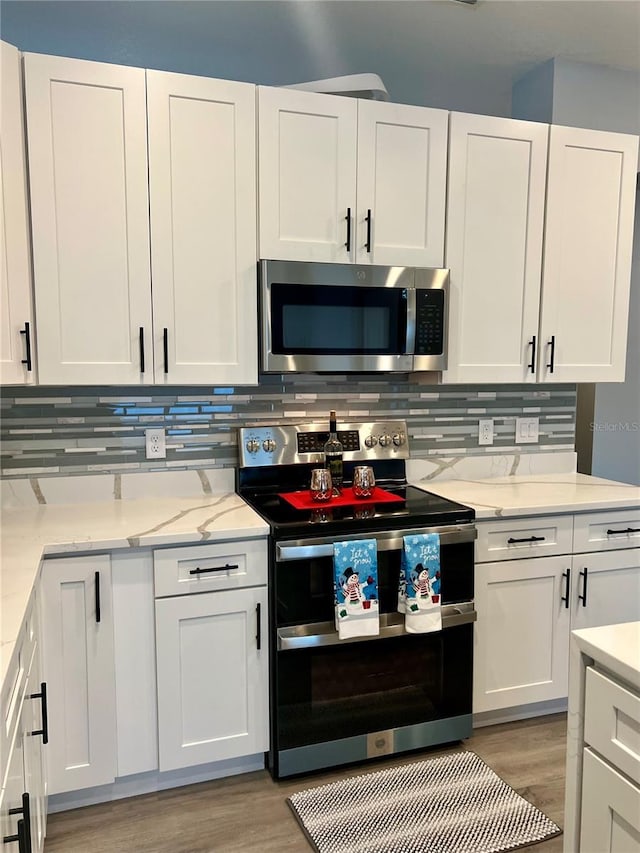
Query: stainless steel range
pixel 338 701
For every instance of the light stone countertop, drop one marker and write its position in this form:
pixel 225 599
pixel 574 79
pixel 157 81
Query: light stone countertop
pixel 614 647
pixel 535 494
pixel 28 534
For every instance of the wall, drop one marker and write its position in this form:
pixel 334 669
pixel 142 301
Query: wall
pixel 67 431
pixel 583 95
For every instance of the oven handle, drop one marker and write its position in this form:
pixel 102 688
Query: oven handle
pixel 387 541
pixel 316 634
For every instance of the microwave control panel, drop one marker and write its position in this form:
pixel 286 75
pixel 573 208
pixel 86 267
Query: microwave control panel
pixel 429 322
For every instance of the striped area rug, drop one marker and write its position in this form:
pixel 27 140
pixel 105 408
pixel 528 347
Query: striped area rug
pixel 450 804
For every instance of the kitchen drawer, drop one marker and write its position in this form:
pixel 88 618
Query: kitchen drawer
pixel 612 722
pixel 605 531
pixel 13 688
pixel 206 568
pixel 516 538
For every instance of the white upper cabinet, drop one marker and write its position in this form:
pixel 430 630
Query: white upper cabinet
pixel 401 187
pixel 202 174
pixel 349 180
pixel 307 175
pixel 87 140
pixel 17 342
pixel 587 256
pixel 495 220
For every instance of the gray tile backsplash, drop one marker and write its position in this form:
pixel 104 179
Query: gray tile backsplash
pixel 63 431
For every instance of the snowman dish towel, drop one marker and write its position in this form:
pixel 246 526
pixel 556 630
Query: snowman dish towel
pixel 419 592
pixel 356 588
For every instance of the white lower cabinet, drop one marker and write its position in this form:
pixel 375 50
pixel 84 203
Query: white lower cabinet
pixel 23 787
pixel 212 676
pixel 79 670
pixel 528 605
pixel 522 633
pixel 610 809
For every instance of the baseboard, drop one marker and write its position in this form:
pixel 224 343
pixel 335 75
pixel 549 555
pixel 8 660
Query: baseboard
pixel 521 712
pixel 148 783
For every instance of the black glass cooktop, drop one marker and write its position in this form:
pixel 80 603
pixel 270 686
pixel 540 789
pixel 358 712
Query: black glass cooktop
pixel 418 509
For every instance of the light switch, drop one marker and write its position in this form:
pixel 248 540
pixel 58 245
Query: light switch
pixel 527 430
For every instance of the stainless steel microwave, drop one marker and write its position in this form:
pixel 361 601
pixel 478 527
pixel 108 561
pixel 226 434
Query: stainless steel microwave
pixel 336 318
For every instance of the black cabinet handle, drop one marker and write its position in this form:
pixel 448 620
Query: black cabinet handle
pixel 567 576
pixel 165 348
pixel 552 344
pixel 348 218
pixel 628 530
pixel 200 571
pixel 23 836
pixel 42 696
pixel 583 597
pixel 532 344
pixel 27 345
pixel 258 631
pixel 368 221
pixel 97 588
pixel 511 540
pixel 141 349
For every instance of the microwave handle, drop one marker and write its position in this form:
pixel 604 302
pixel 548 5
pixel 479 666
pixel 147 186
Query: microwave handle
pixel 410 337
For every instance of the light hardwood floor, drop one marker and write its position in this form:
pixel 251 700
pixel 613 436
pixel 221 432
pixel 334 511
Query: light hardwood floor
pixel 249 812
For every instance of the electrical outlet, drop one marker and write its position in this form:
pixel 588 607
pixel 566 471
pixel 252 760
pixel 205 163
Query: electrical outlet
pixel 155 443
pixel 527 430
pixel 485 431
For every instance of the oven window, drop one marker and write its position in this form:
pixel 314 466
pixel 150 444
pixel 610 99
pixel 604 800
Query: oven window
pixel 334 692
pixel 320 319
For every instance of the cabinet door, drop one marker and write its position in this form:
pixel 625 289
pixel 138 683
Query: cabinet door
pixel 522 632
pixel 610 821
pixel 212 676
pixel 307 175
pixel 11 790
pixel 202 187
pixel 34 753
pixel 495 214
pixel 587 255
pixel 611 581
pixel 16 312
pixel 90 215
pixel 79 670
pixel 402 176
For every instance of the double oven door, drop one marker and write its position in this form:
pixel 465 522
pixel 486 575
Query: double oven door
pixel 337 701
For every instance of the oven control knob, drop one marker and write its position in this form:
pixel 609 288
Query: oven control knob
pixel 399 438
pixel 370 441
pixel 253 445
pixel 385 440
pixel 269 445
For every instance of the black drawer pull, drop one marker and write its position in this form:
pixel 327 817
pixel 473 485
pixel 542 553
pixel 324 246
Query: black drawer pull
pixel 512 541
pixel 628 530
pixel 367 245
pixel 165 349
pixel 583 597
pixel 348 218
pixel 97 594
pixel 42 696
pixel 141 349
pixel 552 344
pixel 200 571
pixel 21 837
pixel 24 826
pixel 567 576
pixel 27 345
pixel 532 344
pixel 258 631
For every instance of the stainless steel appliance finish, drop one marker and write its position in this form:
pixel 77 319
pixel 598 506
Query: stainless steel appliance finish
pixel 335 701
pixel 411 320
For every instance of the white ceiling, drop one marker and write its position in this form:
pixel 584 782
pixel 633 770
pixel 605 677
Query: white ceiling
pixel 437 52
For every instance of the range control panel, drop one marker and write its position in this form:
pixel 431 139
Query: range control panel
pixel 302 443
